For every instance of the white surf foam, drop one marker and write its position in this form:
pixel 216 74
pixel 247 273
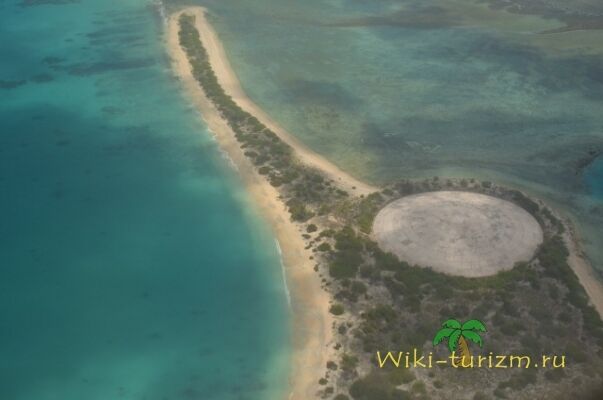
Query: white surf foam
pixel 280 255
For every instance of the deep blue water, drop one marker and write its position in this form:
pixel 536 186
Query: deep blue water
pixel 131 264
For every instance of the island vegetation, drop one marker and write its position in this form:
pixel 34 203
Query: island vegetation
pixel 381 303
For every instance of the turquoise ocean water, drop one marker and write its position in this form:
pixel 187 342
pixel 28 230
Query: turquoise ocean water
pixel 131 264
pixel 395 89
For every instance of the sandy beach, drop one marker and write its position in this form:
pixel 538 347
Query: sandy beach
pixel 581 266
pixel 312 340
pixel 312 321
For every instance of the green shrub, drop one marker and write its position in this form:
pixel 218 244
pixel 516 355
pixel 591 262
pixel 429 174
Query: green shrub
pixel 326 233
pixel 400 376
pixel 554 375
pixel 348 362
pixel 524 202
pixel 340 270
pixel 419 387
pixel 336 309
pixel 520 380
pixel 348 255
pixel 398 394
pixel 480 396
pixel 324 247
pixel 298 210
pixel 371 387
pixel 358 288
pixel 367 210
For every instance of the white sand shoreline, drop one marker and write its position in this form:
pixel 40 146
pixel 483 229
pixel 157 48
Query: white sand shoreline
pixel 583 269
pixel 312 321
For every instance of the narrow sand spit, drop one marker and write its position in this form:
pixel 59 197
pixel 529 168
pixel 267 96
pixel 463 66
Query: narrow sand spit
pixel 312 321
pixel 231 85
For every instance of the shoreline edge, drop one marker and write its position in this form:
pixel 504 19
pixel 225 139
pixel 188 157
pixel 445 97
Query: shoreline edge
pixel 311 320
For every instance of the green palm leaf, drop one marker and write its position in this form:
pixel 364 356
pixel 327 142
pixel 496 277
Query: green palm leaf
pixel 474 337
pixel 442 333
pixel 475 325
pixel 452 323
pixel 453 340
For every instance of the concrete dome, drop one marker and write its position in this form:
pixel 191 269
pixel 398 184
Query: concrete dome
pixel 458 233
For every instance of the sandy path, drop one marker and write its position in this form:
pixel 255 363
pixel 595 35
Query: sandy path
pixel 312 322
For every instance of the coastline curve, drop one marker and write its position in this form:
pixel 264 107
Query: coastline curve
pixel 312 322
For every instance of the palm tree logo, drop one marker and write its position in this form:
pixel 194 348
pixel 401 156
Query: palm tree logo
pixel 458 334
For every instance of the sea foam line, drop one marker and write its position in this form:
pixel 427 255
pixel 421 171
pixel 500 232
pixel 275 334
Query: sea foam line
pixel 162 12
pixel 223 153
pixel 280 256
pixel 226 156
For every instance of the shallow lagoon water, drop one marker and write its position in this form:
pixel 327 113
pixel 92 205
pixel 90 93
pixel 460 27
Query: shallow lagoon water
pixel 409 89
pixel 594 178
pixel 131 264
